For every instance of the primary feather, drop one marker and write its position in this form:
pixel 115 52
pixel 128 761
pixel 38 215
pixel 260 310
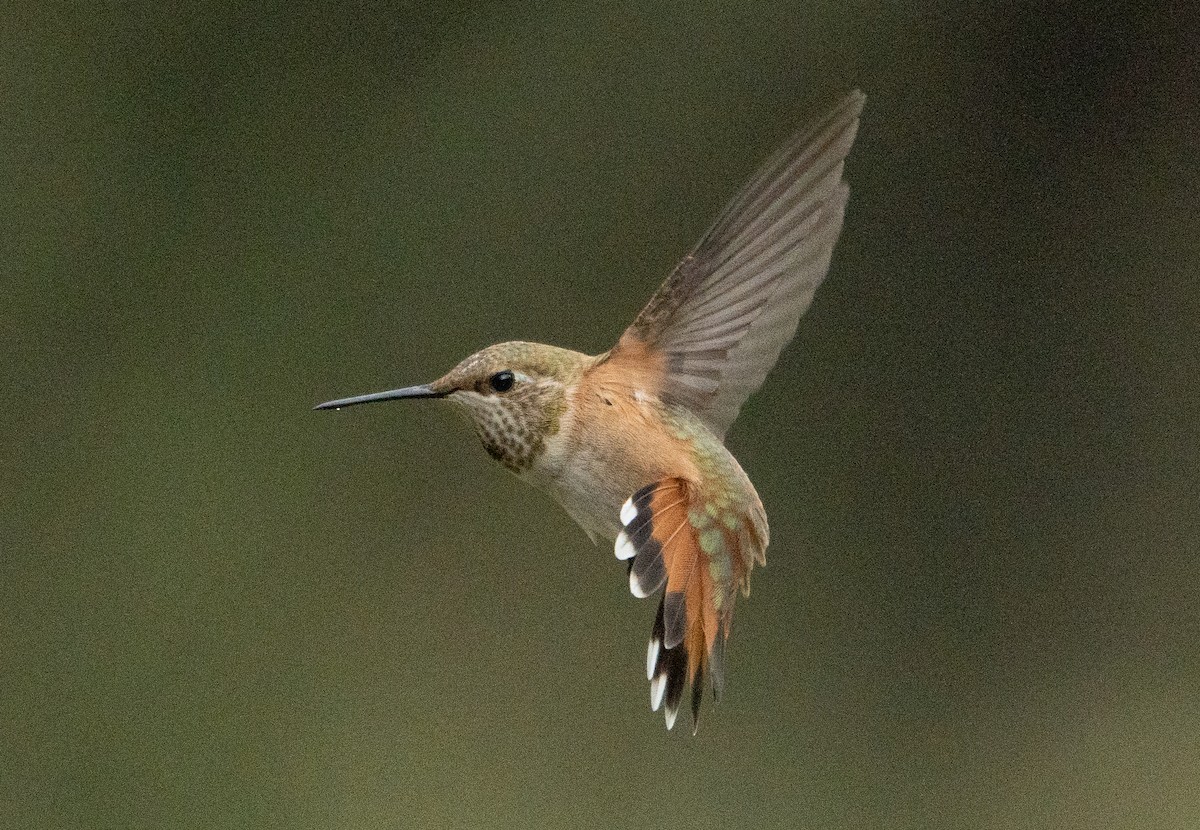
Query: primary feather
pixel 724 314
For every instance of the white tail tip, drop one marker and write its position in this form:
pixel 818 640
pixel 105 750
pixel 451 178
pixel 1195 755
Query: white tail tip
pixel 628 512
pixel 652 657
pixel 635 587
pixel 658 687
pixel 624 547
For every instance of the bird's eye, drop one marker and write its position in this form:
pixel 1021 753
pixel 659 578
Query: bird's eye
pixel 502 381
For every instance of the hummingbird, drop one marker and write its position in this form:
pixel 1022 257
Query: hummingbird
pixel 631 442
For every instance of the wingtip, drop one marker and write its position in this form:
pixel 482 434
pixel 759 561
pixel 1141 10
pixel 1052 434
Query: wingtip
pixel 853 103
pixel 842 117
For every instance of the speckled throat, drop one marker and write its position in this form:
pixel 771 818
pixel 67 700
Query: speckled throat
pixel 514 430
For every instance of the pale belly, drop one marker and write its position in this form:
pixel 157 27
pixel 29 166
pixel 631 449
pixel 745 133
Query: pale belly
pixel 583 484
pixel 592 499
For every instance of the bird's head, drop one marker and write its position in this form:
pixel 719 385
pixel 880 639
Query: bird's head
pixel 514 393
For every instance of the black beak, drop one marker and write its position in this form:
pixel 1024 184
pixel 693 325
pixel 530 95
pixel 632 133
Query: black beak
pixel 422 391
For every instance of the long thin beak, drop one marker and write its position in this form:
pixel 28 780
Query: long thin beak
pixel 422 391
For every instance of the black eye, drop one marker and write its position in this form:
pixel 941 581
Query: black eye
pixel 502 381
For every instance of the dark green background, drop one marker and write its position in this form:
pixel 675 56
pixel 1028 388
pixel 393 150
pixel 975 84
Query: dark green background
pixel 221 610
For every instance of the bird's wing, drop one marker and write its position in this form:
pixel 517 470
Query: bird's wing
pixel 716 326
pixel 702 550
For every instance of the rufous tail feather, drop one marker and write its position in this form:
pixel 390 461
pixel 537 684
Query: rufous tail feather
pixel 673 537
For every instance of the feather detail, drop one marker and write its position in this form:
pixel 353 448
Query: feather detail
pixel 712 332
pixel 693 546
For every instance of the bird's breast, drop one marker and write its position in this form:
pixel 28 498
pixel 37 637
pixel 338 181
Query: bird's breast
pixel 611 443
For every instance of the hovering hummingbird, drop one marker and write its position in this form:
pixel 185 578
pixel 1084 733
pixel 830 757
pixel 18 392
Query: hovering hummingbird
pixel 631 442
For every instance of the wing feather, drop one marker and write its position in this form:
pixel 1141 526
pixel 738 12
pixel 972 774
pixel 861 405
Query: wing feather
pixel 728 309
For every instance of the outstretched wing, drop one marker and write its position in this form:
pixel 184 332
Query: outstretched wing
pixel 722 317
pixel 702 551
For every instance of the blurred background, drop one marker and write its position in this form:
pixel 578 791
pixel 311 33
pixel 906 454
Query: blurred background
pixel 221 610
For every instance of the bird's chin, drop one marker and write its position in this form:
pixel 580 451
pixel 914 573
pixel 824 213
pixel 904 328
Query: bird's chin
pixel 470 405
